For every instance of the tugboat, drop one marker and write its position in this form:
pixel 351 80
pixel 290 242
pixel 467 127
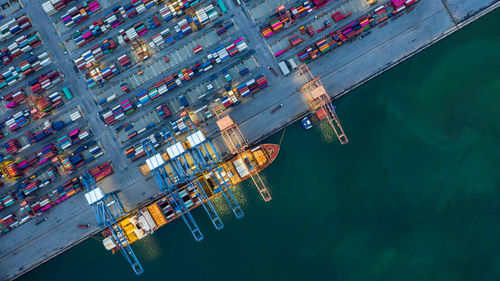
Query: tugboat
pixel 83 225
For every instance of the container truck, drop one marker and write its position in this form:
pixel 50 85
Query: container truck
pixel 309 121
pixel 292 64
pixel 284 69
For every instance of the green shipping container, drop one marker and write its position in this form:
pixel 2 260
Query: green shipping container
pixel 67 93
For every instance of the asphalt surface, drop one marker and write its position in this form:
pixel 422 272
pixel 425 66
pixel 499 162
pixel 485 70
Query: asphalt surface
pixel 341 70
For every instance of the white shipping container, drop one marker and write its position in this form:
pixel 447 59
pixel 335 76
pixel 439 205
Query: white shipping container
pixel 83 134
pixel 75 116
pixel 25 49
pixel 107 114
pixel 46 62
pixel 141 8
pixel 242 46
pixel 43 55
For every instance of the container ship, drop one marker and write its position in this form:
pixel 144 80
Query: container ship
pixel 147 220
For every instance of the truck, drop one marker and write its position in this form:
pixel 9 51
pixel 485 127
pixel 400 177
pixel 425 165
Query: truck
pixel 284 69
pixel 292 64
pixel 309 121
pixel 67 93
pixel 227 76
pixel 183 101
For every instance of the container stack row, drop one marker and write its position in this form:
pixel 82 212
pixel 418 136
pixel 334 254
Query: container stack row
pixel 400 5
pixel 116 113
pixel 21 45
pixel 206 14
pixel 98 75
pixel 283 18
pixel 14 98
pixel 51 7
pixel 101 171
pixel 50 127
pixel 54 197
pixel 46 81
pixel 352 30
pixel 163 111
pixel 17 120
pixel 113 19
pixel 221 30
pixel 14 26
pixel 29 65
pixel 124 61
pixel 185 27
pixel 80 13
pixel 136 152
pixel 241 91
pixel 176 80
pixel 95 53
pixel 89 33
pixel 46 104
pixel 74 137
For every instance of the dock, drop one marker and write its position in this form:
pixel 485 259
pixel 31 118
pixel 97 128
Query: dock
pixel 119 99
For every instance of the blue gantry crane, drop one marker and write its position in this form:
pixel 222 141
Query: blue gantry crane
pixel 208 161
pixel 167 185
pixel 185 173
pixel 107 209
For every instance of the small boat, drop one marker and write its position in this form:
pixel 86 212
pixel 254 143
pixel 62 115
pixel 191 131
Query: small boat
pixel 277 108
pixel 83 225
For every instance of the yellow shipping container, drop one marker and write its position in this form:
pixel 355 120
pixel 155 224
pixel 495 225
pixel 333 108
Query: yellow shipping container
pixel 260 157
pixel 157 215
pixel 128 230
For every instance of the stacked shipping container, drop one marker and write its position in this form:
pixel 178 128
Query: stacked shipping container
pixel 281 19
pixel 350 31
pixel 46 81
pixel 80 13
pixel 14 26
pixel 21 45
pixel 29 65
pixel 53 6
pixel 95 53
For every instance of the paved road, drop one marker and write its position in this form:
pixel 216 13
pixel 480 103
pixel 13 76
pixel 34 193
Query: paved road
pixel 340 70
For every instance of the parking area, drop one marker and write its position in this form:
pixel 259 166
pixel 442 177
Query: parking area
pixel 198 96
pixel 261 10
pixel 9 8
pixel 153 69
pixel 137 127
pixel 317 22
pixel 218 82
pixel 43 134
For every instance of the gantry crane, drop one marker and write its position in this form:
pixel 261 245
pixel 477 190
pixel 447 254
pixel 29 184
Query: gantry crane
pixel 156 165
pixel 209 161
pixel 318 98
pixel 181 169
pixel 237 144
pixel 107 209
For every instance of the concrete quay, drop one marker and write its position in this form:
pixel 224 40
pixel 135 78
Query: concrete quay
pixel 341 70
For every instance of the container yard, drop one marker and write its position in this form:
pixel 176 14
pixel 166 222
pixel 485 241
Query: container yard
pixel 144 110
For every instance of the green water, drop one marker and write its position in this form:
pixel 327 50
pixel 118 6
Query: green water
pixel 414 195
